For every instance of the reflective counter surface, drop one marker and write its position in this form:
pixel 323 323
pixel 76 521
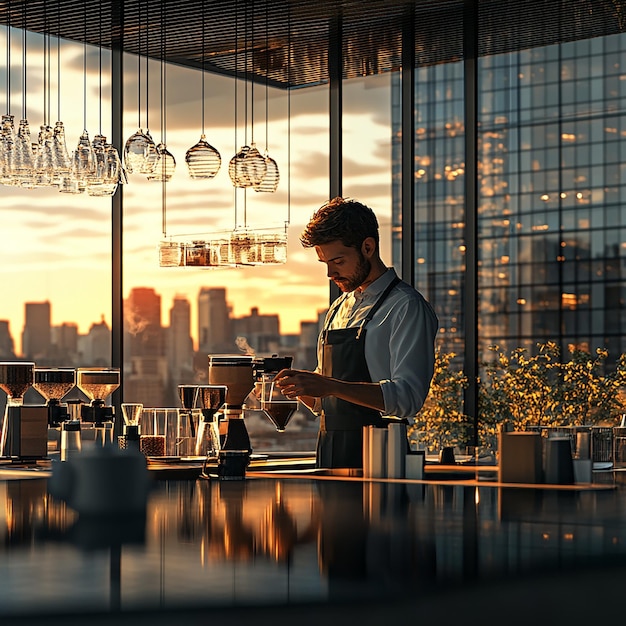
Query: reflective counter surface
pixel 283 549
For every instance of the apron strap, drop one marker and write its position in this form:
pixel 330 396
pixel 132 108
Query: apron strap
pixel 377 305
pixel 337 303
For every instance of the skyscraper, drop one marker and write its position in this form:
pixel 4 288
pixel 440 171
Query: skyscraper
pixel 179 343
pixel 146 378
pixel 214 324
pixel 7 349
pixel 36 336
pixel 142 320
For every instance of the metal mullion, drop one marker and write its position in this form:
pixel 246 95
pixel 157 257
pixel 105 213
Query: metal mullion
pixel 470 305
pixel 335 65
pixel 408 146
pixel 117 204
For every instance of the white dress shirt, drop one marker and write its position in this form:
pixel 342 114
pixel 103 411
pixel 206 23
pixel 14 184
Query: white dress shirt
pixel 399 341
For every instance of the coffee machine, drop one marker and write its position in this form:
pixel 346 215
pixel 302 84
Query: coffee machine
pixel 237 374
pixel 24 428
pixel 240 374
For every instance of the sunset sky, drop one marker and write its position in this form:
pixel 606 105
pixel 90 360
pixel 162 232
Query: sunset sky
pixel 57 247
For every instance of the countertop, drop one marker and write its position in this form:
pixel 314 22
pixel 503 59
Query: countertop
pixel 304 546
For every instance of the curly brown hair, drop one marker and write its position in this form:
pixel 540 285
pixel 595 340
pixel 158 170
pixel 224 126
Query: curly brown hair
pixel 341 219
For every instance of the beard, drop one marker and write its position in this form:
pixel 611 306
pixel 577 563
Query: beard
pixel 362 271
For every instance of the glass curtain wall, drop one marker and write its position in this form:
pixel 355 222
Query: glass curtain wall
pixel 551 128
pixel 552 242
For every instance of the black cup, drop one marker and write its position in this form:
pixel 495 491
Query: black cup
pixel 446 456
pixel 559 467
pixel 232 464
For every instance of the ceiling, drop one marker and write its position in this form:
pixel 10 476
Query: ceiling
pixel 286 42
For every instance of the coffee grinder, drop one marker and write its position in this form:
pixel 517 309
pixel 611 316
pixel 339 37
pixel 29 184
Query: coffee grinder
pixel 24 428
pixel 53 383
pixel 236 372
pixel 98 383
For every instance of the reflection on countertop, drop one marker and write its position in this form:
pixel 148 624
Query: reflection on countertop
pixel 271 541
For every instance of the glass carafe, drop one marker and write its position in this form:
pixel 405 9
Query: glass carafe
pixel 275 405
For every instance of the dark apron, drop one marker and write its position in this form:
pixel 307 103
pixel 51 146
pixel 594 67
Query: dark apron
pixel 340 440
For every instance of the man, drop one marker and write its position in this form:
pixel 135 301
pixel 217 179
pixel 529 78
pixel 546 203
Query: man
pixel 376 349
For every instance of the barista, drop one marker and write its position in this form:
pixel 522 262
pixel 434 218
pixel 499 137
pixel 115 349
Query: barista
pixel 376 348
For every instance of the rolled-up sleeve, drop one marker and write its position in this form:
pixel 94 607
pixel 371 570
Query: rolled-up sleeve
pixel 404 367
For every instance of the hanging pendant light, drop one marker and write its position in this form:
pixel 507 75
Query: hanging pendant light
pixel 269 181
pixel 255 165
pixel 203 160
pixel 43 150
pixel 43 157
pixel 84 165
pixel 95 181
pixel 7 127
pixel 61 159
pixel 59 149
pixel 237 171
pixel 136 150
pixel 7 139
pixel 23 160
pixel 140 149
pixel 108 168
pixel 165 165
pixel 23 165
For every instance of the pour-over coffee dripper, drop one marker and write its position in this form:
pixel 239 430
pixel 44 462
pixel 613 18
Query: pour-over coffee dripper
pixel 274 404
pixel 187 395
pixel 131 438
pixel 210 398
pixel 53 383
pixel 131 412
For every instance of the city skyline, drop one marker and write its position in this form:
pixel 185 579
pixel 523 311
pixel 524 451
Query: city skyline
pixel 136 324
pixel 57 246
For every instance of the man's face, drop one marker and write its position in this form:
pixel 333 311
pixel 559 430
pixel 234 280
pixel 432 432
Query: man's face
pixel 347 267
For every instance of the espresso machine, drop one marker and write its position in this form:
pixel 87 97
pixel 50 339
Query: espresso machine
pixel 24 427
pixel 240 374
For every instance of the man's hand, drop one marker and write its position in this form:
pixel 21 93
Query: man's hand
pixel 294 383
pixel 306 386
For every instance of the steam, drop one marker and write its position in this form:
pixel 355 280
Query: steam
pixel 244 346
pixel 135 323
